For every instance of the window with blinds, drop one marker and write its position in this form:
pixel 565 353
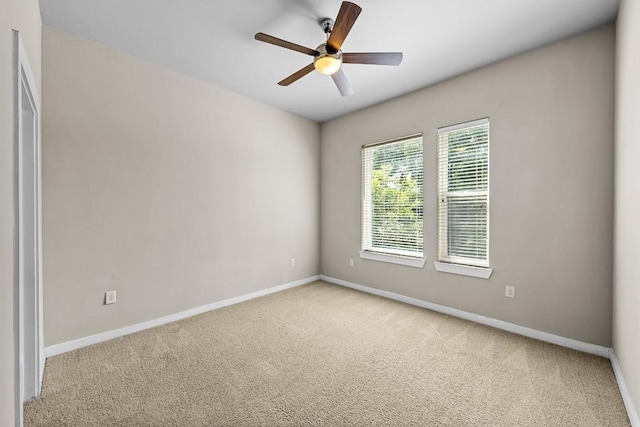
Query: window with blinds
pixel 463 193
pixel 392 197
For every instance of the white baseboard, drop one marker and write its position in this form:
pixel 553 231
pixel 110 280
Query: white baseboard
pixel 626 397
pixel 520 330
pixel 56 349
pixel 499 324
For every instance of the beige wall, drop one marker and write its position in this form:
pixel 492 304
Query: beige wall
pixel 626 320
pixel 551 158
pixel 24 16
pixel 171 191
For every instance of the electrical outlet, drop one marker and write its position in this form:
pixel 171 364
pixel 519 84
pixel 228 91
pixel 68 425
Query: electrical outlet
pixel 293 262
pixel 510 291
pixel 351 262
pixel 110 297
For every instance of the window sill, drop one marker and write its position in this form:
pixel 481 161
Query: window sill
pixel 464 270
pixel 393 259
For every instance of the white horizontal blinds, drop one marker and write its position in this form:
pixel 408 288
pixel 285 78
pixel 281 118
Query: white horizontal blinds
pixel 393 197
pixel 463 193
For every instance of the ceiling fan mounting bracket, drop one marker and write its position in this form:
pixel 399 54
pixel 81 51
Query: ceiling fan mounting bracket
pixel 326 24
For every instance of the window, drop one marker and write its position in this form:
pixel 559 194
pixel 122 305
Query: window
pixel 463 194
pixel 392 201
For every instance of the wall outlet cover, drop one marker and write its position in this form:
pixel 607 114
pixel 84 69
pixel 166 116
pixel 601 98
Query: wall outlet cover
pixel 510 291
pixel 110 297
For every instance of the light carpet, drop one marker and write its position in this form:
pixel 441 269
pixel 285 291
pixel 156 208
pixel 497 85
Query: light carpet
pixel 325 355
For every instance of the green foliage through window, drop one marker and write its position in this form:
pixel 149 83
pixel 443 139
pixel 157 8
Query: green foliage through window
pixel 393 199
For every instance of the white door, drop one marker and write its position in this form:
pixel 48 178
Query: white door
pixel 29 353
pixel 28 248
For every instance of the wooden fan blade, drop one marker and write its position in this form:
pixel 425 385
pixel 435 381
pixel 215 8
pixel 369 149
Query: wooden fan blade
pixel 340 79
pixel 298 74
pixel 344 21
pixel 377 58
pixel 283 43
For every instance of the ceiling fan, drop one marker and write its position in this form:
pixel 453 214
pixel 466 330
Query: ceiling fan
pixel 327 57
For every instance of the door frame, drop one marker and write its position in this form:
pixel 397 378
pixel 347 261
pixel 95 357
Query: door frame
pixel 24 84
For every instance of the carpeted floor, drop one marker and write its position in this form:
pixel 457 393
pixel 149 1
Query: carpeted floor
pixel 325 355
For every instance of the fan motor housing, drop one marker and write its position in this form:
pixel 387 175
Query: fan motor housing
pixel 325 62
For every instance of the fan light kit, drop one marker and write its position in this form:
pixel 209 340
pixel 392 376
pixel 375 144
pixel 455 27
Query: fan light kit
pixel 327 63
pixel 327 57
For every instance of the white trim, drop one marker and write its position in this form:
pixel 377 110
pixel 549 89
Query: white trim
pixel 43 360
pixel 393 140
pixel 464 270
pixel 446 195
pixel 24 82
pixel 393 259
pixel 499 324
pixel 56 349
pixel 463 125
pixel 368 250
pixel 624 392
pixel 520 330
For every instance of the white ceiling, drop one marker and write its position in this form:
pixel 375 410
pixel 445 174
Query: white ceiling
pixel 212 40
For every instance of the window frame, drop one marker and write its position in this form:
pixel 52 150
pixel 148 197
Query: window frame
pixel 445 261
pixel 390 255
